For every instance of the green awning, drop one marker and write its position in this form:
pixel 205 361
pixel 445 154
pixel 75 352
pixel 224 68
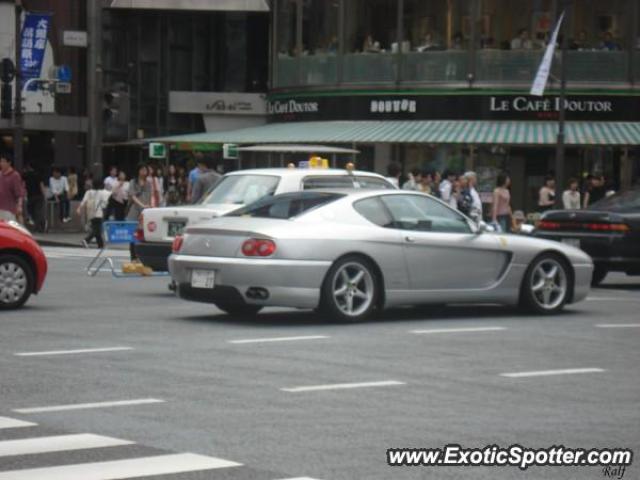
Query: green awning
pixel 436 131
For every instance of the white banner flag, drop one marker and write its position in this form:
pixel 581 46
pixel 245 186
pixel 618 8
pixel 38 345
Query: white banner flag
pixel 540 82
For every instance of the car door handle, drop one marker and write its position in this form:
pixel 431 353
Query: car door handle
pixel 410 239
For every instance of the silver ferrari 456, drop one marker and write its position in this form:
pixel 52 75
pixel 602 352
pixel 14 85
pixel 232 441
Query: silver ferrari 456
pixel 350 253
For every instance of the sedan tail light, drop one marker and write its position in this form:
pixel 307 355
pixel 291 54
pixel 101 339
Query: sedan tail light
pixel 580 226
pixel 258 247
pixel 177 243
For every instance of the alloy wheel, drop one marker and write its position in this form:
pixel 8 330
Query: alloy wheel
pixel 353 289
pixel 549 284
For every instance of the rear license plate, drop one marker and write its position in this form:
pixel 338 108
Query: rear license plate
pixel 175 228
pixel 203 278
pixel 574 242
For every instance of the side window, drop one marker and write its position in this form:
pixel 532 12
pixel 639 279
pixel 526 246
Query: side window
pixel 327 181
pixel 419 213
pixel 373 210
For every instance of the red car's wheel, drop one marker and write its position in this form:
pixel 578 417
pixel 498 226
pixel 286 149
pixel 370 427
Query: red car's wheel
pixel 16 281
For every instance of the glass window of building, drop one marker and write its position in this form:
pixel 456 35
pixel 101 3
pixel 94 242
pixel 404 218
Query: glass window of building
pixel 319 42
pixel 371 38
pixel 436 37
pixel 286 64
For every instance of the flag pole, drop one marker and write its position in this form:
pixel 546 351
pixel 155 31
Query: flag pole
pixel 560 141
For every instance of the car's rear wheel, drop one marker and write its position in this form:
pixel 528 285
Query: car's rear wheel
pixel 16 281
pixel 546 286
pixel 599 274
pixel 239 309
pixel 350 290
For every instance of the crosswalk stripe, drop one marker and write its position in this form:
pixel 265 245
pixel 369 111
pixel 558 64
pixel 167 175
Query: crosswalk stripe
pixel 123 469
pixel 58 443
pixel 83 406
pixel 6 422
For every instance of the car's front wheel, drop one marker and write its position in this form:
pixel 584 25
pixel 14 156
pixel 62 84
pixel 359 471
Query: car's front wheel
pixel 16 281
pixel 546 285
pixel 350 290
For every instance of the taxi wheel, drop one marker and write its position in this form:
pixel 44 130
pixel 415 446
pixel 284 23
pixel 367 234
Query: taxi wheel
pixel 16 281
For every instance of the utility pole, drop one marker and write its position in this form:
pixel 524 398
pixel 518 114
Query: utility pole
pixel 94 87
pixel 560 145
pixel 18 129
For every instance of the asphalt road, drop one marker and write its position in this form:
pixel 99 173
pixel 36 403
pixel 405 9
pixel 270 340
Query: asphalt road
pixel 195 381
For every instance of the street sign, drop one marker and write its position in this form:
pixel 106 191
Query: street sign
pixel 62 87
pixel 74 38
pixel 230 151
pixel 157 150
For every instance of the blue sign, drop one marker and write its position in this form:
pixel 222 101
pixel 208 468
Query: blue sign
pixel 120 232
pixel 33 45
pixel 64 73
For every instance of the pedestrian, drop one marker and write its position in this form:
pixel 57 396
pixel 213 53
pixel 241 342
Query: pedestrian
pixel 109 182
pixel 547 194
pixel 206 180
pixel 156 190
pixel 120 196
pixel 159 179
pixel 87 182
pixel 11 190
pixel 571 196
pixel 415 177
pixel 594 191
pixel 446 186
pixel 426 182
pixel 470 192
pixel 172 187
pixel 72 180
pixel 194 173
pixel 437 180
pixel 139 198
pixel 456 193
pixel 519 223
pixel 59 188
pixel 93 206
pixel 501 207
pixel 393 174
pixel 36 195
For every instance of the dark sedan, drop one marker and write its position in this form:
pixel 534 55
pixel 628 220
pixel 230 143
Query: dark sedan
pixel 609 231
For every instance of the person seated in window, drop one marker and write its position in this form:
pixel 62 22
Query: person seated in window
pixel 487 43
pixel 581 43
pixel 370 45
pixel 608 43
pixel 429 43
pixel 332 46
pixel 522 41
pixel 458 41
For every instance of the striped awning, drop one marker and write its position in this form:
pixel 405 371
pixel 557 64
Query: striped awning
pixel 436 131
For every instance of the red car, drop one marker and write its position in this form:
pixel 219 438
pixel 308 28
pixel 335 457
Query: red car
pixel 23 265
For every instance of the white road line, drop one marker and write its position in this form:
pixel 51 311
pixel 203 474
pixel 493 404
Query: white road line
pixel 82 406
pixel 6 422
pixel 612 299
pixel 121 469
pixel 617 325
pixel 343 386
pixel 541 373
pixel 71 352
pixel 459 330
pixel 58 443
pixel 278 339
pixel 299 478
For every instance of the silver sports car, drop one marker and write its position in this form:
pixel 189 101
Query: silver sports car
pixel 349 253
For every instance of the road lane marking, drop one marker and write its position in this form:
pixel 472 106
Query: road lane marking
pixel 458 330
pixel 541 373
pixel 277 339
pixel 120 469
pixel 617 325
pixel 58 443
pixel 342 386
pixel 72 352
pixel 612 299
pixel 6 422
pixel 299 478
pixel 82 406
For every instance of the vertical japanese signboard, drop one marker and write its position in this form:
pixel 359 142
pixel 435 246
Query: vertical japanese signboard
pixel 33 45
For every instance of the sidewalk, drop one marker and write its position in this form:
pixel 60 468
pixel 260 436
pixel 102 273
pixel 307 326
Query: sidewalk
pixel 69 239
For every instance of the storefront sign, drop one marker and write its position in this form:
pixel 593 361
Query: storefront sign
pixel 453 107
pixel 217 103
pixel 33 45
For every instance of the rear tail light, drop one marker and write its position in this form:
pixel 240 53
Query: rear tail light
pixel 590 227
pixel 139 235
pixel 257 247
pixel 177 243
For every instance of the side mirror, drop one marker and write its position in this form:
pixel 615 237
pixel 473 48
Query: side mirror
pixel 482 227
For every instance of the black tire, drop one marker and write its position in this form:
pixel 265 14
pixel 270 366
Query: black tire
pixel 599 274
pixel 20 273
pixel 330 305
pixel 239 309
pixel 533 300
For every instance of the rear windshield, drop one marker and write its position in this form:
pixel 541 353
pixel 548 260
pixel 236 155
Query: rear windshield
pixel 241 189
pixel 628 202
pixel 286 206
pixel 346 181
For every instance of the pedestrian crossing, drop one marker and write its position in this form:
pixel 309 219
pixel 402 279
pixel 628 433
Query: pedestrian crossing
pixel 30 452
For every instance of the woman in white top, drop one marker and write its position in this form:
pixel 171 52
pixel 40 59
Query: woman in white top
pixel 571 196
